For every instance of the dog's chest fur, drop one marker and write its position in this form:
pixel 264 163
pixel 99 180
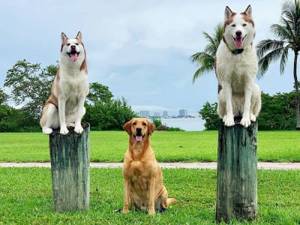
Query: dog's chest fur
pixel 73 84
pixel 236 69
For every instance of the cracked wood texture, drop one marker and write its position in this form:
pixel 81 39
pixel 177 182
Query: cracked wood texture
pixel 236 173
pixel 70 170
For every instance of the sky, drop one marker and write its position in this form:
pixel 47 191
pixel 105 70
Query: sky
pixel 140 49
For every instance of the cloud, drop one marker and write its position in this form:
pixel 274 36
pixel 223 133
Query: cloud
pixel 140 49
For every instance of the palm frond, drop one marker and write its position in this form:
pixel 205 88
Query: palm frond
pixel 199 72
pixel 283 60
pixel 267 45
pixel 265 61
pixel 282 32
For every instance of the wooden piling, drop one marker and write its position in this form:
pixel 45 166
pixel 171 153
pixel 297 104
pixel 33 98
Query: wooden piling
pixel 70 170
pixel 236 173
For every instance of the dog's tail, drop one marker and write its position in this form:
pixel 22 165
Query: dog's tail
pixel 171 201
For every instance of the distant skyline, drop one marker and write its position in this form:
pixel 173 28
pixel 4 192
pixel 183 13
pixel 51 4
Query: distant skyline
pixel 140 49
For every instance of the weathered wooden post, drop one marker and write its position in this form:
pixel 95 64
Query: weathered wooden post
pixel 236 173
pixel 70 170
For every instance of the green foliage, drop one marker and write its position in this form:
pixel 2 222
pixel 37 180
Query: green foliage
pixel 206 59
pixel 287 34
pixel 209 114
pixel 109 115
pixel 278 113
pixel 99 93
pixel 30 85
pixel 3 97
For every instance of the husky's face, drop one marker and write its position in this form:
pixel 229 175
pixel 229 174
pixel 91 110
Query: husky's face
pixel 239 28
pixel 72 49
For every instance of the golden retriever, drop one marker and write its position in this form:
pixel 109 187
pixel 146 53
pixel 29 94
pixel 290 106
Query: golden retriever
pixel 143 179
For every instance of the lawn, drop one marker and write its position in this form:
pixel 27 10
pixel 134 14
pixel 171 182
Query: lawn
pixel 169 146
pixel 26 198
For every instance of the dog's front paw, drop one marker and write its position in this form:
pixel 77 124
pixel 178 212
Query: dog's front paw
pixel 47 130
pixel 228 120
pixel 252 117
pixel 64 130
pixel 78 129
pixel 245 122
pixel 151 212
pixel 125 211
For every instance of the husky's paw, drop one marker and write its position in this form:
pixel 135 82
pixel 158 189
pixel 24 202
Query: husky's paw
pixel 64 130
pixel 78 129
pixel 228 120
pixel 47 130
pixel 252 117
pixel 245 122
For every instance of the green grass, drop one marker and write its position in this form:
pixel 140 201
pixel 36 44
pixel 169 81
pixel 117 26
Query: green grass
pixel 169 146
pixel 26 198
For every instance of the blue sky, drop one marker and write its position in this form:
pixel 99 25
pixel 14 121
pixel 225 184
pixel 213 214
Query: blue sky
pixel 140 49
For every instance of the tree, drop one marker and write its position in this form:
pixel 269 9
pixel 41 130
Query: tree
pixel 288 40
pixel 30 85
pixel 206 59
pixel 277 113
pixel 209 114
pixel 3 97
pixel 99 93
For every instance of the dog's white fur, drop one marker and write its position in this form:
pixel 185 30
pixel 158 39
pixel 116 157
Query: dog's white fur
pixel 237 73
pixel 65 106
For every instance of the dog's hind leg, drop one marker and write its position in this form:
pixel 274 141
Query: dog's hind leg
pixel 221 105
pixel 49 119
pixel 255 103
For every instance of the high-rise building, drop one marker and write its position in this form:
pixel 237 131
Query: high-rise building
pixel 183 113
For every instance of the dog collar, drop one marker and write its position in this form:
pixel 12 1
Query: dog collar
pixel 236 51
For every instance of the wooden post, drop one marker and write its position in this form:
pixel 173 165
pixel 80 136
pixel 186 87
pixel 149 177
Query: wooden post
pixel 70 170
pixel 236 173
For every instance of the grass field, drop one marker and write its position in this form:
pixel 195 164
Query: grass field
pixel 26 198
pixel 169 146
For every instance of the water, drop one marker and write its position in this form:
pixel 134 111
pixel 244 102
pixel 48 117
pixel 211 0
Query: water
pixel 188 124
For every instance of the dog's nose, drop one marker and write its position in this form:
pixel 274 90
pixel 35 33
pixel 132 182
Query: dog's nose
pixel 73 47
pixel 238 33
pixel 138 131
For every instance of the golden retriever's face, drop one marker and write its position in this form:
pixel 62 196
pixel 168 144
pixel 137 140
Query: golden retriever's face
pixel 139 128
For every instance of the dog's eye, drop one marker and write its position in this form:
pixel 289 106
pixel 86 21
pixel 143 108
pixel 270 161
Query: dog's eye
pixel 244 24
pixel 68 44
pixel 144 124
pixel 134 124
pixel 233 25
pixel 76 44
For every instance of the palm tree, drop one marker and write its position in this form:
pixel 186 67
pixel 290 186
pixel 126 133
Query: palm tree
pixel 288 40
pixel 206 59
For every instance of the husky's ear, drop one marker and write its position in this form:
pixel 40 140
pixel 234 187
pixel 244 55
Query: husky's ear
pixel 127 127
pixel 64 38
pixel 248 11
pixel 79 36
pixel 228 13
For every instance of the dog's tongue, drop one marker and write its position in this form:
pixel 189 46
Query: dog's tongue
pixel 238 42
pixel 138 138
pixel 74 57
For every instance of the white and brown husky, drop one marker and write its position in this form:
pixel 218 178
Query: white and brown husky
pixel 236 67
pixel 65 106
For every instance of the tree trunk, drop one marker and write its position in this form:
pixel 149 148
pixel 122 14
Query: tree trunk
pixel 297 91
pixel 70 170
pixel 236 173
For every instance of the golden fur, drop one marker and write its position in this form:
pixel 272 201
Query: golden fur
pixel 143 179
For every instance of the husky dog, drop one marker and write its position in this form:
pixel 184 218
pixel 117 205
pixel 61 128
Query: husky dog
pixel 236 67
pixel 65 106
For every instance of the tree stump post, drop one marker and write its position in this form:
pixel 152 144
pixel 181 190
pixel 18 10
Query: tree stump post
pixel 236 173
pixel 70 170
